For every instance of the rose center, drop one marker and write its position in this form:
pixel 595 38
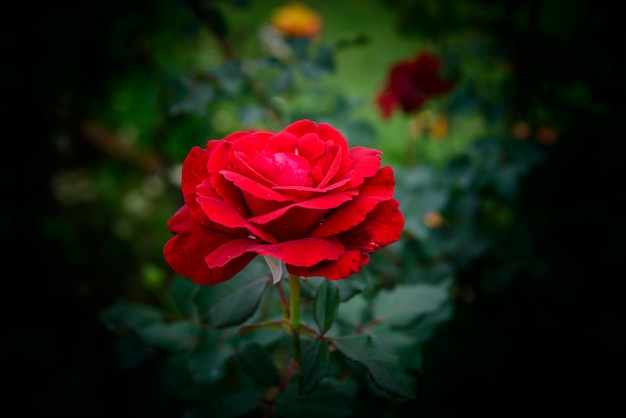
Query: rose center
pixel 282 168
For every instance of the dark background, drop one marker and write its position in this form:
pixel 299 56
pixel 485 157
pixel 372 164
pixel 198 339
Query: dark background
pixel 550 344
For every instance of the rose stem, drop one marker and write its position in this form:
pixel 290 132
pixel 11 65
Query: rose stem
pixel 283 299
pixel 294 293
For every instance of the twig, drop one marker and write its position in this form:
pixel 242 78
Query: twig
pixel 227 52
pixel 112 143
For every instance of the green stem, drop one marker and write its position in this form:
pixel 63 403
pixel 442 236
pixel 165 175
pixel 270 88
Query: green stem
pixel 283 299
pixel 294 293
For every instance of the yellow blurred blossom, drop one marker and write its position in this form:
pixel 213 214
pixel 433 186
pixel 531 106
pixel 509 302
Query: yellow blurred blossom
pixel 417 125
pixel 430 123
pixel 297 20
pixel 433 219
pixel 438 127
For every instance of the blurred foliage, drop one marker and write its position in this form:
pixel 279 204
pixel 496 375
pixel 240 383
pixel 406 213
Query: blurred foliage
pixel 504 286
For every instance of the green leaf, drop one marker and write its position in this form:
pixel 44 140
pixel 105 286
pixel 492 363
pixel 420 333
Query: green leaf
pixel 299 46
pixel 325 305
pixel 327 401
pixel 232 302
pixel 197 96
pixel 404 304
pixel 124 314
pixel 207 364
pixel 257 363
pixel 428 325
pixel 276 324
pixel 406 346
pixel 325 58
pixel 309 285
pixel 241 403
pixel 181 292
pixel 350 287
pixel 384 367
pixel 313 366
pixel 178 336
pixel 353 311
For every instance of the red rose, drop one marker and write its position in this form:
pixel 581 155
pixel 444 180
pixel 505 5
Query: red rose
pixel 300 196
pixel 410 83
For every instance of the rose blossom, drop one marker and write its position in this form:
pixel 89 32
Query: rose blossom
pixel 301 196
pixel 410 83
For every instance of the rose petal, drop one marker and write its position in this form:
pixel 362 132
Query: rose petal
pixel 282 168
pixel 194 172
pixel 260 206
pixel 303 252
pixel 281 142
pixel 350 262
pixel 311 147
pixel 317 174
pixel 371 193
pixel 335 155
pixel 332 137
pixel 181 220
pixel 186 250
pixel 231 138
pixel 224 214
pixel 313 189
pixel 254 188
pixel 329 201
pixel 251 144
pixel 365 163
pixel 295 224
pixel 218 161
pixel 217 210
pixel 328 133
pixel 246 170
pixel 301 127
pixel 381 227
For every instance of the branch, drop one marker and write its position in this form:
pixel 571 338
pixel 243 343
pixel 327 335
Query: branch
pixel 110 142
pixel 207 17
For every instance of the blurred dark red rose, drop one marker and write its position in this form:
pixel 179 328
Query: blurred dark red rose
pixel 410 83
pixel 301 196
